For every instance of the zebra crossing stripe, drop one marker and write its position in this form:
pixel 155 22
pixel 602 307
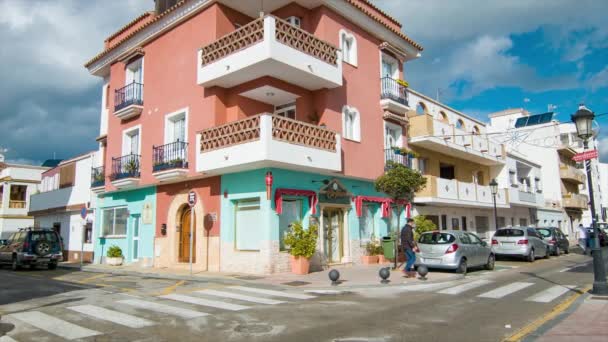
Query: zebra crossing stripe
pixel 7 339
pixel 272 292
pixel 162 308
pixel 465 287
pixel 54 325
pixel 252 299
pixel 505 290
pixel 112 316
pixel 550 294
pixel 428 287
pixel 205 302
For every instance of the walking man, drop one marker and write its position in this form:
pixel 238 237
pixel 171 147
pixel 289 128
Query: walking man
pixel 409 245
pixel 582 238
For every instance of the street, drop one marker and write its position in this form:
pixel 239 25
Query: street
pixel 42 305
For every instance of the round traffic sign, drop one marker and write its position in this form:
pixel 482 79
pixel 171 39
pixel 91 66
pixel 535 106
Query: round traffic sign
pixel 83 213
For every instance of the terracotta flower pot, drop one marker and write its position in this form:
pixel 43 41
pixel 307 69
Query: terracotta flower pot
pixel 369 259
pixel 299 265
pixel 382 259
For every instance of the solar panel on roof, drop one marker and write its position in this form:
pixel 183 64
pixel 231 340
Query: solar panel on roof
pixel 537 119
pixel 521 122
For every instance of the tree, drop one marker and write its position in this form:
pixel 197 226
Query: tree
pixel 423 225
pixel 399 183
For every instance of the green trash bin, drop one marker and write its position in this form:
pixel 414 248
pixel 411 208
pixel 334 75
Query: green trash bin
pixel 388 246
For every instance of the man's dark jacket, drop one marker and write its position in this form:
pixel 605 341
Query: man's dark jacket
pixel 407 237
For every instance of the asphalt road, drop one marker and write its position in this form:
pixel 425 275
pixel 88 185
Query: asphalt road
pixel 60 305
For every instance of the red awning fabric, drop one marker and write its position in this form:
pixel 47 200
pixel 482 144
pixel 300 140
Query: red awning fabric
pixel 279 193
pixel 385 204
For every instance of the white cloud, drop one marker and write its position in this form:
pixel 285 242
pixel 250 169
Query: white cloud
pixel 599 80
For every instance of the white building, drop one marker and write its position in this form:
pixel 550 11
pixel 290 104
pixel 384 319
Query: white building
pixel 603 168
pixel 17 183
pixel 65 194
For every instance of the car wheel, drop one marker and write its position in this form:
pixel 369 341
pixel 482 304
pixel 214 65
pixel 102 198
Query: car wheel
pixel 557 251
pixel 462 267
pixel 531 257
pixel 567 250
pixel 15 264
pixel 491 262
pixel 52 265
pixel 547 253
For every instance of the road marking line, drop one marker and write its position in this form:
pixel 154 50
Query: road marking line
pixel 205 302
pixel 272 292
pixel 505 290
pixel 6 338
pixel 170 289
pixel 429 287
pixel 465 287
pixel 112 316
pixel 567 269
pixel 54 325
pixel 162 308
pixel 97 276
pixel 252 299
pixel 558 309
pixel 550 294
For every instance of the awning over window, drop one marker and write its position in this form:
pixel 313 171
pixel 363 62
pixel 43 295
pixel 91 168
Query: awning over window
pixel 279 193
pixel 385 204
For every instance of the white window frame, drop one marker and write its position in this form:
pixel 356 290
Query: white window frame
pixel 126 140
pixel 114 223
pixel 390 126
pixel 284 108
pixel 129 71
pixel 169 122
pixel 295 21
pixel 392 60
pixel 356 136
pixel 350 56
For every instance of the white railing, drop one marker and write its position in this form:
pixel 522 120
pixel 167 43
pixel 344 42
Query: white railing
pixel 461 137
pixel 466 191
pixel 484 194
pixel 480 143
pixel 443 129
pixel 501 196
pixel 470 192
pixel 447 188
pixel 525 196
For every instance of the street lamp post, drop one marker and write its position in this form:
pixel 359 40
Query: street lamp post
pixel 494 190
pixel 583 120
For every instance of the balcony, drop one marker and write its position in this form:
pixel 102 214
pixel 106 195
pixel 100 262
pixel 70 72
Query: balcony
pixel 14 204
pixel 525 198
pixel 443 137
pixel 453 192
pixel 393 97
pixel 270 46
pixel 129 101
pixel 575 201
pixel 98 179
pixel 267 140
pixel 170 161
pixel 125 171
pixel 571 174
pixel 390 155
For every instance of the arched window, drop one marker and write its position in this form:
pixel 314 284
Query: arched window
pixel 351 123
pixel 460 124
pixel 348 44
pixel 443 117
pixel 476 130
pixel 420 108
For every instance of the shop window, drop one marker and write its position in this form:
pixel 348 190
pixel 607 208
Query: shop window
pixel 286 110
pixel 455 223
pixel 292 212
pixel 366 224
pixel 248 225
pixel 464 223
pixel 444 222
pixel 348 44
pixel 482 224
pixel 351 123
pixel 114 221
pixel 523 222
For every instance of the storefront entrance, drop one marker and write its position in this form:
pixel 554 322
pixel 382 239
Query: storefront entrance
pixel 184 238
pixel 333 240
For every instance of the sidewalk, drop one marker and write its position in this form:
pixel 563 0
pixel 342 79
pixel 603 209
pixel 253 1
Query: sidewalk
pixel 586 320
pixel 351 276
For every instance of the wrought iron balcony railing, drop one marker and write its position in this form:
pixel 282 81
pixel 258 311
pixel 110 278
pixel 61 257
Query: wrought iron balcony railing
pixel 126 167
pixel 170 156
pixel 131 94
pixel 392 90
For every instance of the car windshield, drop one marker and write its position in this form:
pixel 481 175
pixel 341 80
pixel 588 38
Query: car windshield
pixel 544 232
pixel 509 232
pixel 436 238
pixel 48 236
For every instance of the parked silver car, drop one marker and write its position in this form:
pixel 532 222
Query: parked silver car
pixel 524 242
pixel 454 250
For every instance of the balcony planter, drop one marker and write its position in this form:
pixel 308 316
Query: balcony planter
pixel 403 83
pixel 302 243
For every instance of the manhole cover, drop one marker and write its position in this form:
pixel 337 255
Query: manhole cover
pixel 296 283
pixel 253 328
pixel 5 327
pixel 248 277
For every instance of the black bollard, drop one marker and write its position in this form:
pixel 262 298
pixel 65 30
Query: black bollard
pixel 334 275
pixel 385 273
pixel 423 271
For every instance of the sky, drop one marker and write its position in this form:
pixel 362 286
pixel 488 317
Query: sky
pixel 480 57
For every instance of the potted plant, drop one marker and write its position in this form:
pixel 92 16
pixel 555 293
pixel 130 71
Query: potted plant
pixel 177 162
pixel 371 253
pixel 131 167
pixel 114 256
pixel 403 83
pixel 302 244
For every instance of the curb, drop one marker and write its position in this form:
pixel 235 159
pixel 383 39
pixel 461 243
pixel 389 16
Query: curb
pixel 380 286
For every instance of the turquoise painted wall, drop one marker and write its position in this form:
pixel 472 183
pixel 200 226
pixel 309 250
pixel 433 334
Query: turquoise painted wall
pixel 251 184
pixel 134 201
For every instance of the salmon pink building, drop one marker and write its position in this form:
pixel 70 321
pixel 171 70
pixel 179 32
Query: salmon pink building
pixel 270 112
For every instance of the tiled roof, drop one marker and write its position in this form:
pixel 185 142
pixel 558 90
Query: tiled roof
pixel 382 12
pixel 182 2
pixel 129 25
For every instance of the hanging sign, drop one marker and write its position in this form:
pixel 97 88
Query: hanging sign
pixel 586 155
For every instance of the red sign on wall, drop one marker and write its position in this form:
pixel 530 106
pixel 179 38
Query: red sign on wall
pixel 579 157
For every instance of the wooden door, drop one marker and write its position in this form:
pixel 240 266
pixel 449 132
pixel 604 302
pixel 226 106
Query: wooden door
pixel 184 239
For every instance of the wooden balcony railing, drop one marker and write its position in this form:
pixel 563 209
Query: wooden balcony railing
pixel 14 204
pixel 253 33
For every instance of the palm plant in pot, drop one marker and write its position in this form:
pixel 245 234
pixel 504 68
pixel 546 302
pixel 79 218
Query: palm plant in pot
pixel 302 244
pixel 114 256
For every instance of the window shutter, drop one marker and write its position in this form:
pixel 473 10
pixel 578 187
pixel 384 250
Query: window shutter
pixel 67 175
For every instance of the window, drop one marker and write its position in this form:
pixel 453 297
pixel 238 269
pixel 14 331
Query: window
pixel 107 96
pixel 392 135
pixel 422 165
pixel 175 126
pixel 446 171
pixel 57 227
pixel 348 44
pixel 248 225
pixel 481 224
pixel 464 238
pixel 390 67
pixel 134 72
pixel 436 238
pixel 292 212
pixel 460 124
pixel 443 117
pixel 18 195
pixel 366 224
pixel 474 239
pixel 444 222
pixel 455 223
pixel 88 233
pixel 513 178
pixel 434 219
pixel 476 130
pixel 523 222
pixel 464 223
pixel 131 141
pixel 286 110
pixel 67 174
pixel 295 21
pixel 114 221
pixel 420 108
pixel 351 123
